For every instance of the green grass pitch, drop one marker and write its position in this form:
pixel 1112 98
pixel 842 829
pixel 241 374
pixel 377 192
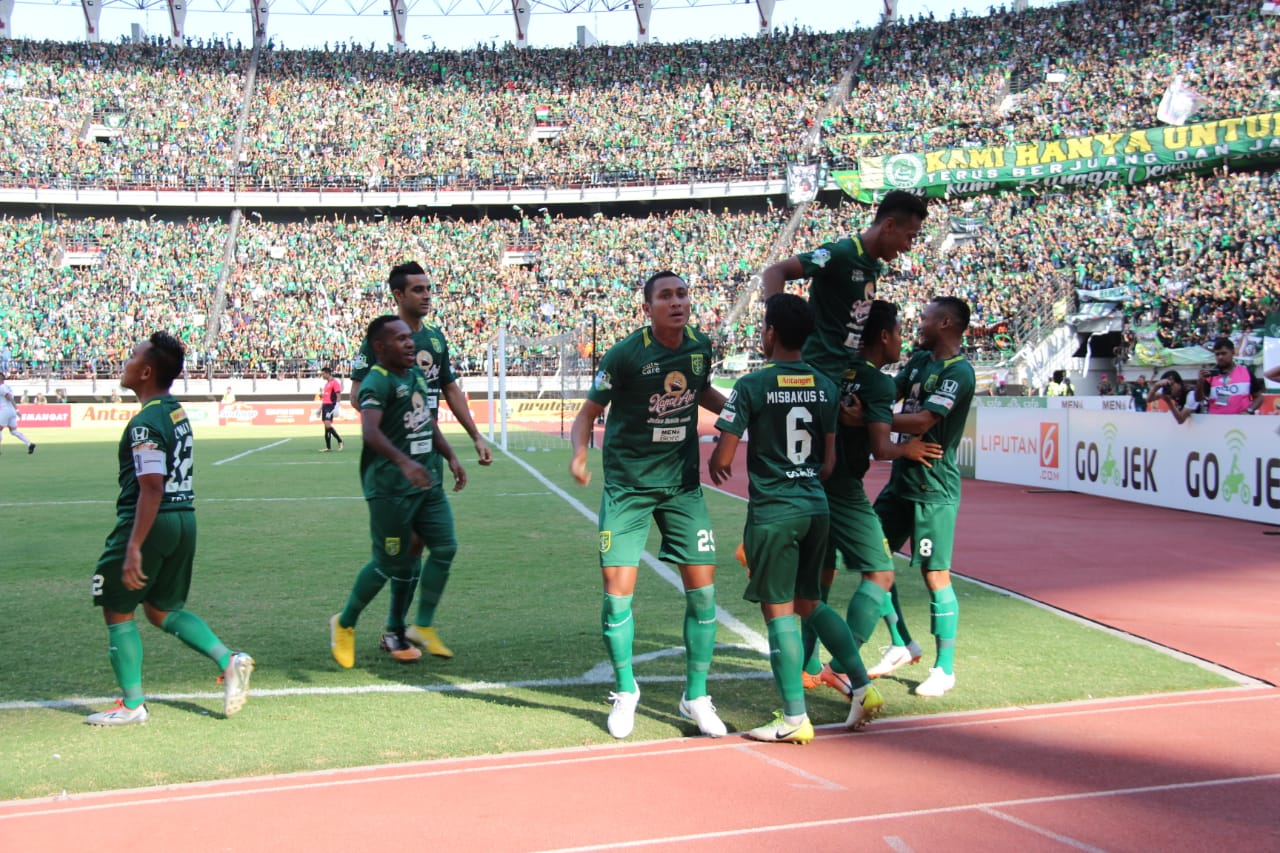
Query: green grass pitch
pixel 283 531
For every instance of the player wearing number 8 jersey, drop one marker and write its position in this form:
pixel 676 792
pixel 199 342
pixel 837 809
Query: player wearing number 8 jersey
pixel 921 502
pixel 148 557
pixel 653 382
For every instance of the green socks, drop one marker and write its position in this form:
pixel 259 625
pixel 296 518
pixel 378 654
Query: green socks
pixel 190 629
pixel 835 635
pixel 891 610
pixel 785 659
pixel 944 621
pixel 864 611
pixel 124 650
pixel 699 638
pixel 435 574
pixel 619 634
pixel 813 660
pixel 368 583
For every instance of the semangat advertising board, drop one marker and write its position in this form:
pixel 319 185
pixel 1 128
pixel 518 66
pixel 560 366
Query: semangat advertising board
pixel 1023 446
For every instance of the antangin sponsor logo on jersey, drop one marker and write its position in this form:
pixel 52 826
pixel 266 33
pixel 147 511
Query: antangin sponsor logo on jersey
pixel 785 381
pixel 676 395
pixel 177 415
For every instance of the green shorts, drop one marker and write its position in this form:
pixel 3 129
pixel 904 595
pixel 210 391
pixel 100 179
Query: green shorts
pixel 785 559
pixel 167 557
pixel 855 528
pixel 394 520
pixel 682 518
pixel 930 527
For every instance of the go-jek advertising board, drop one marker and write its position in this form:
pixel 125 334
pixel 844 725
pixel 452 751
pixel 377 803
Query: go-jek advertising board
pixel 1023 446
pixel 1225 465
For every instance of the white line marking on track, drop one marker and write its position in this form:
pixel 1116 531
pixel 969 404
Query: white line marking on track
pixel 816 782
pixel 897 845
pixel 254 450
pixel 612 752
pixel 752 637
pixel 1040 830
pixel 846 821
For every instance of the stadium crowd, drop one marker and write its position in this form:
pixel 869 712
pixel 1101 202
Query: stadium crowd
pixel 1200 255
pixel 364 119
pixel 1197 254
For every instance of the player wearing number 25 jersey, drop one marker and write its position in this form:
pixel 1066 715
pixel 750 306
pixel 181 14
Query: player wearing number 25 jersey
pixel 148 557
pixel 653 382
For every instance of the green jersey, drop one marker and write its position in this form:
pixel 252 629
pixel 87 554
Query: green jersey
pixel 875 390
pixel 944 386
pixel 651 436
pixel 407 422
pixel 843 278
pixel 157 440
pixel 789 409
pixel 432 359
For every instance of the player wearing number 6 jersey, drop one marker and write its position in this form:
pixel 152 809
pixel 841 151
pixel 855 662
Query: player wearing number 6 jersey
pixel 653 382
pixel 790 411
pixel 148 557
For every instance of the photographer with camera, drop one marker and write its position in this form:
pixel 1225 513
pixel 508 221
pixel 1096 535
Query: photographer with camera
pixel 1228 388
pixel 1176 394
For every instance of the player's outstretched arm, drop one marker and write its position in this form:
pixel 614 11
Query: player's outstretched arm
pixel 776 276
pixel 580 435
pixel 884 449
pixel 458 405
pixel 721 462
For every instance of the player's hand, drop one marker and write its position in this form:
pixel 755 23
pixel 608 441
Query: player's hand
pixel 483 452
pixel 132 574
pixel 578 468
pixel 416 474
pixel 719 473
pixel 921 451
pixel 852 415
pixel 459 474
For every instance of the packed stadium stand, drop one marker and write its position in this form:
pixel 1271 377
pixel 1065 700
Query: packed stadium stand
pixel 1198 254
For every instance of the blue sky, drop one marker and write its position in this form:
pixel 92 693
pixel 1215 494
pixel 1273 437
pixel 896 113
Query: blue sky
pixel 672 21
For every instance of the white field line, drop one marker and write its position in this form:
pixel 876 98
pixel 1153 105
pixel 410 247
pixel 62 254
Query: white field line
pixel 254 450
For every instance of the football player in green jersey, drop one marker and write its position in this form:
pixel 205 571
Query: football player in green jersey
pixel 653 382
pixel 790 411
pixel 401 441
pixel 921 502
pixel 411 289
pixel 148 557
pixel 856 530
pixel 842 280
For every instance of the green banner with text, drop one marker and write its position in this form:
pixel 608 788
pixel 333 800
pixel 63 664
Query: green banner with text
pixel 1130 156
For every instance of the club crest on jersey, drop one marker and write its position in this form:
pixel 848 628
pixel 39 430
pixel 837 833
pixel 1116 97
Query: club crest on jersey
pixel 931 382
pixel 820 257
pixel 391 546
pixel 606 541
pixel 676 394
pixel 437 344
pixel 698 364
